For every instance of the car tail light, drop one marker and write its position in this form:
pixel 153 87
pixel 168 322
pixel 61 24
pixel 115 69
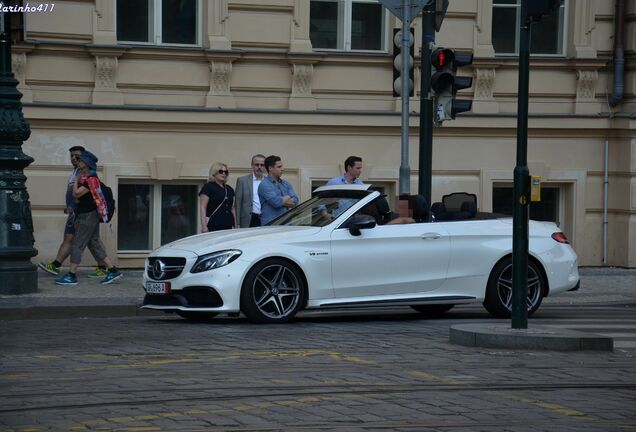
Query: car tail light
pixel 560 237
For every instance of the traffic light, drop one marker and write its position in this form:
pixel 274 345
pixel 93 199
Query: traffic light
pixel 445 83
pixel 397 62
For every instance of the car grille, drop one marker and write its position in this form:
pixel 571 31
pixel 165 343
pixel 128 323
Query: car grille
pixel 164 268
pixel 192 296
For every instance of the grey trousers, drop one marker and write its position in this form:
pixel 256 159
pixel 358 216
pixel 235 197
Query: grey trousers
pixel 87 234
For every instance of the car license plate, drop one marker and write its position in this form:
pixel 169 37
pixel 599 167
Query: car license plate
pixel 157 287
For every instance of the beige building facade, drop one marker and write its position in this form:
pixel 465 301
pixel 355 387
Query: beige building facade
pixel 161 89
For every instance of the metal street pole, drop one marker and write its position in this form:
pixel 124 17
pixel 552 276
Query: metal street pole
pixel 17 273
pixel 521 184
pixel 426 106
pixel 405 169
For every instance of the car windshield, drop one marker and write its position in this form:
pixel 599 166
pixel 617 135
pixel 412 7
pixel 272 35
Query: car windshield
pixel 318 211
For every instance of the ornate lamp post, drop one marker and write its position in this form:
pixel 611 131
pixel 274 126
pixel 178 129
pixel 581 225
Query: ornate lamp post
pixel 17 274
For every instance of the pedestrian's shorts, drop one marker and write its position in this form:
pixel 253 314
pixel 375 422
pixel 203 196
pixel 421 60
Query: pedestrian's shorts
pixel 69 228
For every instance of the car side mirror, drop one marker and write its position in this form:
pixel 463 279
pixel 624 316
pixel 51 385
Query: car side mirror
pixel 360 222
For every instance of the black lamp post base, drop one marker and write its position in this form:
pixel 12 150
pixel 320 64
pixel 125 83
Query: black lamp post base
pixel 18 281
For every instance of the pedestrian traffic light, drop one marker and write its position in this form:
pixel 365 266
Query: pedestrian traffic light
pixel 445 83
pixel 397 62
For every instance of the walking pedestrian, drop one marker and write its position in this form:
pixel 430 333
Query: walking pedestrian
pixel 248 206
pixel 276 195
pixel 91 209
pixel 216 201
pixel 53 267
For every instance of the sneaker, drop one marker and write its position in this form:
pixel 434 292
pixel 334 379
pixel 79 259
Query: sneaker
pixel 98 273
pixel 111 277
pixel 67 279
pixel 49 268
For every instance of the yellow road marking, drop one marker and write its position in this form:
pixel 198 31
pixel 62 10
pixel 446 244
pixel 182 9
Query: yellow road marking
pixel 559 409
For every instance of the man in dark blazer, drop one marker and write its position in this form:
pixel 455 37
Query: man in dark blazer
pixel 248 206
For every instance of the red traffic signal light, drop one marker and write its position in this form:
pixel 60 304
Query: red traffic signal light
pixel 445 83
pixel 441 57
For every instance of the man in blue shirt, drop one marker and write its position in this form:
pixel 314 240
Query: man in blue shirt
pixel 353 169
pixel 276 195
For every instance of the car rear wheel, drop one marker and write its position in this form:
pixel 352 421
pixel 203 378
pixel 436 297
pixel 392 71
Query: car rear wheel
pixel 434 309
pixel 273 292
pixel 197 316
pixel 499 290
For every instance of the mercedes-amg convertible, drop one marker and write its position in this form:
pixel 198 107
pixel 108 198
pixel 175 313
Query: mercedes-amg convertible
pixel 343 248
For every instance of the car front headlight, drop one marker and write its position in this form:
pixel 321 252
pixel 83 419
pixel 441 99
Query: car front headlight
pixel 215 260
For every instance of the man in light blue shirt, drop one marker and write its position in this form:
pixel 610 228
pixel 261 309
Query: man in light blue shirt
pixel 353 169
pixel 276 195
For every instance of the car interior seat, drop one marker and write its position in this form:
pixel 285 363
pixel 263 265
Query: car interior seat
pixel 439 211
pixel 386 215
pixel 468 210
pixel 421 212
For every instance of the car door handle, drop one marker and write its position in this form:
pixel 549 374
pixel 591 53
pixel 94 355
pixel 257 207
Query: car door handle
pixel 431 236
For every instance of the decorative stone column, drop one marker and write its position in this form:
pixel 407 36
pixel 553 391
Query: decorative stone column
pixel 220 95
pixel 18 65
pixel 104 23
pixel 301 82
pixel 300 28
pixel 482 33
pixel 583 18
pixel 484 80
pixel 217 16
pixel 105 91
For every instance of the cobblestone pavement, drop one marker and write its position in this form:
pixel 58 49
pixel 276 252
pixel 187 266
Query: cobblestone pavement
pixel 341 372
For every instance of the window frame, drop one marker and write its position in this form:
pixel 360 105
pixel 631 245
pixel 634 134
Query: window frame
pixel 157 27
pixel 559 208
pixel 345 11
pixel 563 30
pixel 154 219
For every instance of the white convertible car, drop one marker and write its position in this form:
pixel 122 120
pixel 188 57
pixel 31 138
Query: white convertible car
pixel 341 249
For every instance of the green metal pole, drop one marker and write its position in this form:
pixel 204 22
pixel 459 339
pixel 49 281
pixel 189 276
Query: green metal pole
pixel 426 106
pixel 521 184
pixel 17 274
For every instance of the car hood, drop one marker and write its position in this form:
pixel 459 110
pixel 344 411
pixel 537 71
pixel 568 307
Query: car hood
pixel 236 238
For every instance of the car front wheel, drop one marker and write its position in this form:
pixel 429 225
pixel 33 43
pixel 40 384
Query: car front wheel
pixel 273 292
pixel 499 290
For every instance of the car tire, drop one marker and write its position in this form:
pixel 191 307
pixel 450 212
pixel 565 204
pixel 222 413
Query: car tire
pixel 196 316
pixel 498 299
pixel 273 291
pixel 434 309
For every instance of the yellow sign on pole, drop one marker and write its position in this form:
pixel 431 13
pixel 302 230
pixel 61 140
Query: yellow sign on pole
pixel 535 189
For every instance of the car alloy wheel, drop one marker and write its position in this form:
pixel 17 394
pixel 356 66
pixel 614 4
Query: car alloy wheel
pixel 499 290
pixel 273 292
